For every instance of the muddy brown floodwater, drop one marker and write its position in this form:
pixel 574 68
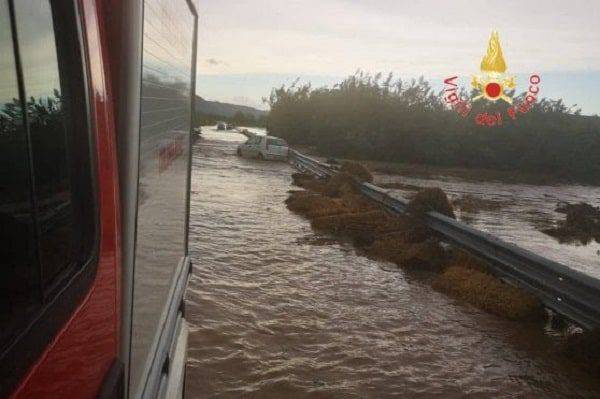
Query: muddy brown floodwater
pixel 273 314
pixel 517 213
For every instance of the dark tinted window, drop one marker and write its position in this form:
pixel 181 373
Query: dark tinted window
pixel 49 130
pixel 19 289
pixel 47 207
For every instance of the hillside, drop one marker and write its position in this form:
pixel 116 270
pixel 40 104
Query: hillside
pixel 225 110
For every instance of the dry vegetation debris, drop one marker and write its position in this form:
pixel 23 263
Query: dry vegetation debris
pixel 335 206
pixel 431 199
pixel 581 224
pixel 487 292
pixel 357 170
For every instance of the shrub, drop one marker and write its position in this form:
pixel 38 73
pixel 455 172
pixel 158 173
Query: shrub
pixel 368 117
pixel 431 199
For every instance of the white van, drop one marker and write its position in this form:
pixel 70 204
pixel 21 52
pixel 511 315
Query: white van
pixel 264 147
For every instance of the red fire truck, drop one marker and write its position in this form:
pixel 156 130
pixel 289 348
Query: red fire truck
pixel 96 100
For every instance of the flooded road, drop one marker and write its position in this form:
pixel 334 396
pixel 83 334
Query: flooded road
pixel 273 314
pixel 518 213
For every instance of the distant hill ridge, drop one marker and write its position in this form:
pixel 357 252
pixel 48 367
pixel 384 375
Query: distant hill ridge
pixel 225 109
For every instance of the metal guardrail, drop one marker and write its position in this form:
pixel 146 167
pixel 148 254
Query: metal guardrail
pixel 568 292
pixel 304 163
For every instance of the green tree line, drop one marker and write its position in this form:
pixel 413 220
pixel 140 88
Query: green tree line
pixel 369 117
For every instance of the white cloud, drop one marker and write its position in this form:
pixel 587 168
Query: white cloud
pixel 335 37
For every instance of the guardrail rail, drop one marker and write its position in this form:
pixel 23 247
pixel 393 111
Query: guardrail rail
pixel 567 292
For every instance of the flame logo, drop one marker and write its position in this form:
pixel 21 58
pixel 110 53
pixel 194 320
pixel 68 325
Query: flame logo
pixel 493 85
pixel 493 60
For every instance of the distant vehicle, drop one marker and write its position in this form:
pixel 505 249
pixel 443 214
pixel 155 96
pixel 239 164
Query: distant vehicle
pixel 264 147
pixel 229 126
pixel 221 126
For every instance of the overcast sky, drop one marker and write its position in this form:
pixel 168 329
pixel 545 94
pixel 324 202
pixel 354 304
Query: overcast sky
pixel 246 47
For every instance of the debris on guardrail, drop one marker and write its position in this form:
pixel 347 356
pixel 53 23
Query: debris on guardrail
pixel 337 186
pixel 581 224
pixel 426 254
pixel 335 206
pixel 308 181
pixel 488 293
pixel 431 199
pixel 362 227
pixel 298 179
pixel 341 184
pixel 313 205
pixel 413 243
pixel 359 171
pixel 466 260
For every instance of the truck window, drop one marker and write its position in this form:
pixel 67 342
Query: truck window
pixel 19 281
pixel 47 207
pixel 48 132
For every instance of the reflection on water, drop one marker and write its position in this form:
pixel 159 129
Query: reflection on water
pixel 273 315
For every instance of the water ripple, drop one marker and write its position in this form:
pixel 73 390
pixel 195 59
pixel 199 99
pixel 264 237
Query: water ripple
pixel 273 315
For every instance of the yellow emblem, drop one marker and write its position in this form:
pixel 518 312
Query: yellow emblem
pixel 492 84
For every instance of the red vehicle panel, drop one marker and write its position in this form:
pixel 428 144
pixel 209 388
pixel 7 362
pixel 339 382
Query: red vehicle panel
pixel 77 322
pixel 76 362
